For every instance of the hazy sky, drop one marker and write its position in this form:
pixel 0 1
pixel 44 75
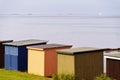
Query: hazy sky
pixel 83 7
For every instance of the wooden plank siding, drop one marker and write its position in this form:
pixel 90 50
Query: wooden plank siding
pixel 113 68
pixel 88 65
pixel 87 62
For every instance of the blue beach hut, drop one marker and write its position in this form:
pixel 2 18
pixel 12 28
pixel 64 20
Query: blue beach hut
pixel 16 54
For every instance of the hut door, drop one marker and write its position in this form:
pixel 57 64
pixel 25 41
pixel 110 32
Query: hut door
pixel 14 58
pixel 7 57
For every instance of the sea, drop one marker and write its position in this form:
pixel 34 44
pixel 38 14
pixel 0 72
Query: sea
pixel 79 31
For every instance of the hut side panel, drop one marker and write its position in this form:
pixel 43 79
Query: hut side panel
pixel 88 65
pixel 1 55
pixel 2 52
pixel 50 62
pixel 113 68
pixel 65 64
pixel 1 60
pixel 36 57
pixel 22 58
pixel 1 49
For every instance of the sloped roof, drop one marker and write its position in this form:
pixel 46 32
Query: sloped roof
pixel 48 46
pixel 5 41
pixel 78 50
pixel 25 42
pixel 117 55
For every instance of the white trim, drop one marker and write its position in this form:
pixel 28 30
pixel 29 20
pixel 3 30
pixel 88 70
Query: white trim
pixel 111 57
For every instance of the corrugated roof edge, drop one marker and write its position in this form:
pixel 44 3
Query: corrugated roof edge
pixel 73 53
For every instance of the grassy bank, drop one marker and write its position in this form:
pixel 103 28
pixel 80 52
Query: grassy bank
pixel 15 75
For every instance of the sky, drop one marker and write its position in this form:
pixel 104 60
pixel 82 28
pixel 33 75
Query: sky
pixel 61 7
pixel 64 7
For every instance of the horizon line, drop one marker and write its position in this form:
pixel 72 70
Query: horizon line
pixel 43 15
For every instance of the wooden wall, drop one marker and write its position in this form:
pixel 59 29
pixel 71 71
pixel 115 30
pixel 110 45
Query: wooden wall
pixel 1 55
pixel 66 64
pixel 113 68
pixel 88 65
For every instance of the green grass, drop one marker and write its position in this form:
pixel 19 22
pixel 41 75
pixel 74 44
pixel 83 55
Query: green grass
pixel 104 77
pixel 15 75
pixel 63 77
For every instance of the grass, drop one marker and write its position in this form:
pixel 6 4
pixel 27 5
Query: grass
pixel 103 77
pixel 63 77
pixel 15 75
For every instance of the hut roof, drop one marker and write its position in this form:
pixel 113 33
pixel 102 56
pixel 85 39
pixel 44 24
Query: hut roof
pixel 117 55
pixel 5 41
pixel 25 42
pixel 48 46
pixel 78 50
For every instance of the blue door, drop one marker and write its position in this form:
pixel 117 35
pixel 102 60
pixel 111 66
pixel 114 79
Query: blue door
pixel 13 62
pixel 11 57
pixel 7 61
pixel 7 57
pixel 14 58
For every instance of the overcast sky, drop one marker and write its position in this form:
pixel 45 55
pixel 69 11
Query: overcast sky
pixel 82 7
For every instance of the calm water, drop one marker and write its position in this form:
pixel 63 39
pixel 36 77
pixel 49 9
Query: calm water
pixel 75 30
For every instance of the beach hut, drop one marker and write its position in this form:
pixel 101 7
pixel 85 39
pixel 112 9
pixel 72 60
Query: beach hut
pixel 2 49
pixel 16 53
pixel 85 63
pixel 42 59
pixel 113 65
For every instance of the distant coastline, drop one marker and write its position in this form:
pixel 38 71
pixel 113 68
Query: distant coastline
pixel 63 15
